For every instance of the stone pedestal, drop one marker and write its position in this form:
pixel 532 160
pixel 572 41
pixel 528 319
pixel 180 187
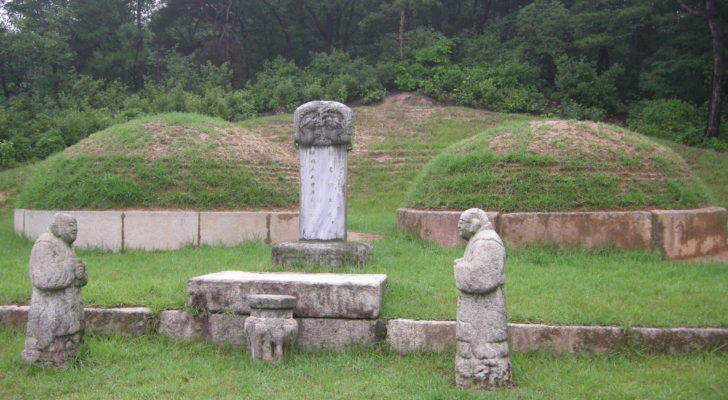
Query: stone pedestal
pixel 334 254
pixel 270 329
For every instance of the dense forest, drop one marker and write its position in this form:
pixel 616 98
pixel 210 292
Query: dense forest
pixel 71 67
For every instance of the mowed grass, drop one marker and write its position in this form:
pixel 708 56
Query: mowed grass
pixel 545 285
pixel 153 367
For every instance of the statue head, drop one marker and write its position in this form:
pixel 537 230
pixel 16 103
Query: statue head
pixel 65 227
pixel 323 123
pixel 472 221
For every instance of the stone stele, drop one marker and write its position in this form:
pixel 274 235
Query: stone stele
pixel 323 134
pixel 54 331
pixel 270 330
pixel 482 360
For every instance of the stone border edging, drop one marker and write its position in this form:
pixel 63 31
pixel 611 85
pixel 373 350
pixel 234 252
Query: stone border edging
pixel 678 234
pixel 164 230
pixel 402 335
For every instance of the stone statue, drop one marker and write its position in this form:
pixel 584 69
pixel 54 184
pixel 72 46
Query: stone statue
pixel 54 332
pixel 270 330
pixel 482 360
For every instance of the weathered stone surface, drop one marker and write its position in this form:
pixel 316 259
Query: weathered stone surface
pixel 179 325
pixel 690 233
pixel 680 340
pixel 323 193
pixel 586 230
pixel 333 254
pixel 19 221
pixel 337 334
pixel 12 315
pixel 160 230
pixel 232 228
pixel 271 301
pixel 565 339
pixel 223 328
pixel 283 227
pixel 323 123
pixel 36 222
pixel 440 227
pixel 54 331
pixel 99 230
pixel 406 335
pixel 319 295
pixel 129 321
pixel 481 329
pixel 270 329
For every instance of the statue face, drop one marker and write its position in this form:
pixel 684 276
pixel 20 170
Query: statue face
pixel 65 228
pixel 466 226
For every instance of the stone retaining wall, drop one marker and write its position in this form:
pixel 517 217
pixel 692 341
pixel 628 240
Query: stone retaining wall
pixel 402 335
pixel 678 234
pixel 164 230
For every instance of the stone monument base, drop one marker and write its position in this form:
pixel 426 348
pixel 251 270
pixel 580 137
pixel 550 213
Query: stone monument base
pixel 333 254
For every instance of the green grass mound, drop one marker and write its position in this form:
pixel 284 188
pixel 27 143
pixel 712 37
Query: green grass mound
pixel 557 165
pixel 184 161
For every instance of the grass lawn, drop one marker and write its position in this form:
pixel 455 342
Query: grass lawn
pixel 153 367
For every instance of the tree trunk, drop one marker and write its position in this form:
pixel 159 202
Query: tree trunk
pixel 718 35
pixel 401 33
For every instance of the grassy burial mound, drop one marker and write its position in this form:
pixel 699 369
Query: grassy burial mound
pixel 557 165
pixel 183 161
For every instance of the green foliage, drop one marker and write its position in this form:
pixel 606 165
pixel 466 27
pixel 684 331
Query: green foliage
pixel 670 119
pixel 507 87
pixel 7 154
pixel 591 94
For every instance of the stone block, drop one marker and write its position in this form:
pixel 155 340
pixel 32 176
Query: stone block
pixel 131 321
pixel 690 233
pixel 179 325
pixel 585 230
pixel 337 334
pixel 13 315
pixel 406 335
pixel 99 230
pixel 223 328
pixel 37 222
pixel 680 340
pixel 440 227
pixel 318 295
pixel 19 221
pixel 565 339
pixel 283 227
pixel 232 228
pixel 160 230
pixel 332 254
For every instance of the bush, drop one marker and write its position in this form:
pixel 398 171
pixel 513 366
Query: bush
pixel 505 87
pixel 7 154
pixel 577 81
pixel 669 119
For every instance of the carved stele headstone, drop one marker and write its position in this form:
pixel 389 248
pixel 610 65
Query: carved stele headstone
pixel 54 331
pixel 270 330
pixel 482 360
pixel 323 133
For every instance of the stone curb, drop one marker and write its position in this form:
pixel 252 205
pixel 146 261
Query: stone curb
pixel 402 335
pixel 164 230
pixel 678 234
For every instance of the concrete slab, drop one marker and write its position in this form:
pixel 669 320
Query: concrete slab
pixel 283 227
pixel 224 328
pixel 13 315
pixel 690 233
pixel 37 222
pixel 565 339
pixel 179 325
pixel 128 321
pixel 337 334
pixel 332 254
pixel 318 295
pixel 99 230
pixel 232 228
pixel 440 227
pixel 406 335
pixel 584 230
pixel 160 230
pixel 680 340
pixel 19 221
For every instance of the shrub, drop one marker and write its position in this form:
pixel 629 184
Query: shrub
pixel 7 154
pixel 577 81
pixel 669 119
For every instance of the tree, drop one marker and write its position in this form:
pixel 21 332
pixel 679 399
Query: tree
pixel 717 34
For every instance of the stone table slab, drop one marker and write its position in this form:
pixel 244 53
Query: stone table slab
pixel 357 296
